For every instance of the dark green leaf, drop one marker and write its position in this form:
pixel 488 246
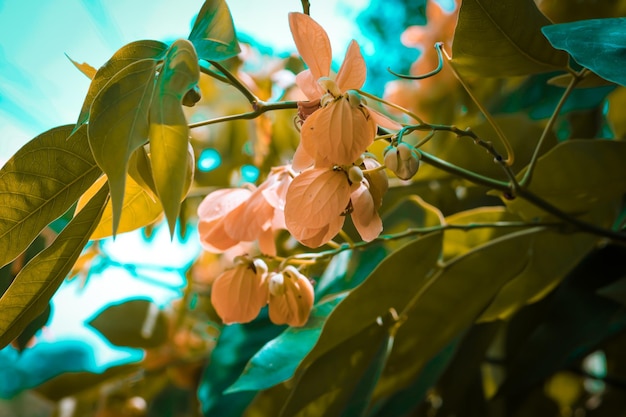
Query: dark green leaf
pixel 119 124
pixel 597 44
pixel 132 323
pixel 31 329
pixel 278 359
pixel 33 287
pixel 40 183
pixel 169 134
pixel 213 33
pixel 327 386
pixel 126 55
pixel 499 38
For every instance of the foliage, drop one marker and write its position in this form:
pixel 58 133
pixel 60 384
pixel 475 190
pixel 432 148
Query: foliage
pixel 452 247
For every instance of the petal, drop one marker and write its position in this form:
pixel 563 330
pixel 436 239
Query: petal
pixel 249 219
pixel 316 237
pixel 294 305
pixel 352 73
pixel 338 133
pixel 309 86
pixel 221 202
pixel 301 158
pixel 315 197
pixel 378 181
pixel 364 216
pixel 239 294
pixel 312 43
pixel 267 245
pixel 383 121
pixel 213 237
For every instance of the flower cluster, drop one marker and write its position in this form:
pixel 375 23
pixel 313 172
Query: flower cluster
pixel 240 293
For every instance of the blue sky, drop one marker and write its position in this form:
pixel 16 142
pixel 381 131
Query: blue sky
pixel 39 87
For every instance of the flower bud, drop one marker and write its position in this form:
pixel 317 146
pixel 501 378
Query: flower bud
pixel 291 302
pixel 402 161
pixel 355 175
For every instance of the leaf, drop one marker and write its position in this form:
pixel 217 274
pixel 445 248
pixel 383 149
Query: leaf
pixel 33 287
pixel 575 177
pixel 590 81
pixel 213 32
pixel 278 359
pixel 139 209
pixel 597 44
pixel 119 124
pixel 496 38
pixel 449 301
pixel 134 323
pixel 169 134
pixel 85 68
pixel 31 329
pixel 126 55
pixel 615 117
pixel 140 170
pixel 40 183
pixel 392 284
pixel 328 384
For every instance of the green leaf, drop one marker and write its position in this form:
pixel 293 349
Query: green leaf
pixel 449 301
pixel 278 359
pixel 392 284
pixel 597 44
pixel 169 134
pixel 33 287
pixel 140 170
pixel 327 386
pixel 126 55
pixel 213 33
pixel 139 209
pixel 575 176
pixel 499 38
pixel 86 69
pixel 40 183
pixel 554 255
pixel 132 323
pixel 119 124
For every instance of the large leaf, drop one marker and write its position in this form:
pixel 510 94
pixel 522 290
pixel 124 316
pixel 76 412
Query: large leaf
pixel 278 359
pixel 330 385
pixel 28 295
pixel 169 134
pixel 450 301
pixel 139 209
pixel 133 323
pixel 119 124
pixel 576 176
pixel 213 33
pixel 498 38
pixel 126 55
pixel 390 286
pixel 40 183
pixel 597 44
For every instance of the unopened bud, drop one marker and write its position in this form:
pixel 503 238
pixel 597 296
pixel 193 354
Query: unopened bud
pixel 355 175
pixel 402 161
pixel 330 86
pixel 277 284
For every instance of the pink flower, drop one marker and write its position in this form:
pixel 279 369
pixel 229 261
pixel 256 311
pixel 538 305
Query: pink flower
pixel 228 217
pixel 290 297
pixel 239 294
pixel 319 199
pixel 342 129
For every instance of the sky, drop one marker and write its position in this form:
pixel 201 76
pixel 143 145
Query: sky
pixel 41 89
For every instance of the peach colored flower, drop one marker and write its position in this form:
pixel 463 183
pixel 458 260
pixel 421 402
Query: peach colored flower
pixel 240 293
pixel 319 199
pixel 290 297
pixel 342 129
pixel 228 217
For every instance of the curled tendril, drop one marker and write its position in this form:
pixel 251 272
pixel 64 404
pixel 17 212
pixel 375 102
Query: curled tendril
pixel 438 47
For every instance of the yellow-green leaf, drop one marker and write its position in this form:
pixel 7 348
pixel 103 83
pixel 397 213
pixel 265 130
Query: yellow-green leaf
pixel 126 55
pixel 139 209
pixel 85 68
pixel 37 282
pixel 213 33
pixel 119 124
pixel 576 176
pixel 169 134
pixel 140 170
pixel 499 38
pixel 40 183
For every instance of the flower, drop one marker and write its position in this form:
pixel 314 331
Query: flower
pixel 240 293
pixel 228 217
pixel 402 160
pixel 342 128
pixel 319 199
pixel 290 297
